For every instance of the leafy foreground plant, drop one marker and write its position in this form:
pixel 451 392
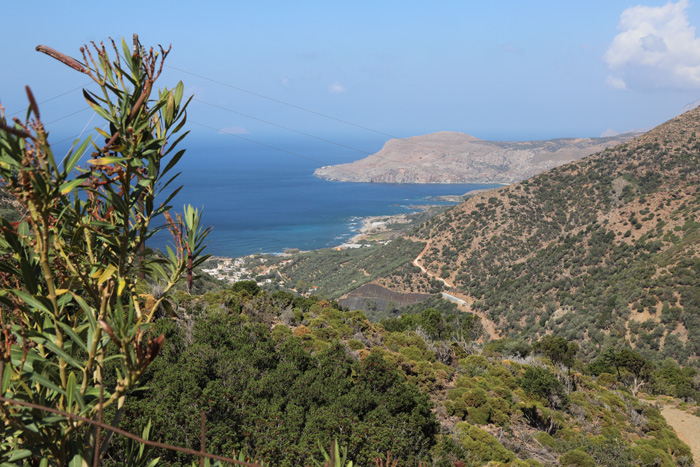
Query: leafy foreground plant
pixel 71 268
pixel 338 457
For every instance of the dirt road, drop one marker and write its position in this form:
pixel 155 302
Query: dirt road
pixel 462 301
pixel 687 426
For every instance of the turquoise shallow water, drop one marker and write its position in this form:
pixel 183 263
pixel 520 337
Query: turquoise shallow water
pixel 261 200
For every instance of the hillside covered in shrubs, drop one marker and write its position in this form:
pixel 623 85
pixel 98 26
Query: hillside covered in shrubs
pixel 603 251
pixel 278 374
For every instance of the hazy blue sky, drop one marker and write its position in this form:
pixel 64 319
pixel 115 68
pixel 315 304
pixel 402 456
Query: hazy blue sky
pixel 496 70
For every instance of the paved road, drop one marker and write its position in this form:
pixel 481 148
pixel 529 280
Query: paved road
pixel 452 298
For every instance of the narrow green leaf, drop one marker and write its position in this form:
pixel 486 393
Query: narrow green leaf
pixel 107 274
pixel 19 454
pixel 88 311
pixel 178 92
pixel 57 350
pixel 173 160
pixel 168 307
pixel 70 392
pixel 77 461
pixel 169 109
pixel 73 335
pixel 42 380
pixel 96 107
pixel 6 376
pixel 32 301
pixel 29 273
pixel 68 186
pixel 127 53
pixel 74 156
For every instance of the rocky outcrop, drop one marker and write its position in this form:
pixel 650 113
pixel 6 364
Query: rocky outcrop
pixel 452 157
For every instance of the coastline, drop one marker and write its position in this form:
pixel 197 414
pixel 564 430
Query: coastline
pixel 377 229
pixel 372 231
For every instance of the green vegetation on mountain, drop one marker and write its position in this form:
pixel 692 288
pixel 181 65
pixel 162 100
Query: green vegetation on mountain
pixel 602 251
pixel 265 394
pixel 336 272
pixel 9 208
pixel 276 374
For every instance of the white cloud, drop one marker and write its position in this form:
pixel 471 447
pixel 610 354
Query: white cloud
pixel 616 82
pixel 656 48
pixel 234 130
pixel 337 88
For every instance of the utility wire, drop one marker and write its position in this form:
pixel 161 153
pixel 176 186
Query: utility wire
pixel 282 126
pixel 402 163
pixel 69 115
pixel 278 101
pixel 297 107
pixel 55 97
pixel 250 140
pixel 258 119
pixel 292 153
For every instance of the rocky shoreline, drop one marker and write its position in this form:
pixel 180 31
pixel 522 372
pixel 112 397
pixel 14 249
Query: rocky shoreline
pixel 374 229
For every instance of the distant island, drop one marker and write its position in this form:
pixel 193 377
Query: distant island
pixel 453 157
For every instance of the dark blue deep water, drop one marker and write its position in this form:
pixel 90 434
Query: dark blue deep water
pixel 258 199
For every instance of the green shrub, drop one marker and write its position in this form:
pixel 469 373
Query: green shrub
pixel 281 333
pixel 482 446
pixel 475 398
pixel 545 439
pixel 480 415
pixel 577 458
pixel 354 344
pixel 606 379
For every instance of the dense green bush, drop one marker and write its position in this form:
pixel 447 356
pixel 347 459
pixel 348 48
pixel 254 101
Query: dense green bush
pixel 264 395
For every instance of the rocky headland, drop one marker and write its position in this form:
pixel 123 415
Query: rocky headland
pixel 452 157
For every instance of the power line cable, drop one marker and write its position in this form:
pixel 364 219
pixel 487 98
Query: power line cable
pixel 278 101
pixel 282 126
pixel 55 97
pixel 402 163
pixel 259 119
pixel 250 140
pixel 304 109
pixel 66 116
pixel 79 136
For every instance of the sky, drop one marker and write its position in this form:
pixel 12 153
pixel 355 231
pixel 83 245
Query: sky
pixel 371 70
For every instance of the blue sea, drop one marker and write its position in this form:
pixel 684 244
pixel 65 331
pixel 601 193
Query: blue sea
pixel 261 200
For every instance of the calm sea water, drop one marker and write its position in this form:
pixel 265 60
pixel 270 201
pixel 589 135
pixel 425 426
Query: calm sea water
pixel 259 199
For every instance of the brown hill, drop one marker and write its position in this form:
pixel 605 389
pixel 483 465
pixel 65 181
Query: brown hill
pixel 603 250
pixel 451 157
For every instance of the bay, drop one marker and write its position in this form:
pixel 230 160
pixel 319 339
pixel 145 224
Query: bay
pixel 262 200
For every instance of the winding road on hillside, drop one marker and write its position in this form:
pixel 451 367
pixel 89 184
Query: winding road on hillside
pixel 462 301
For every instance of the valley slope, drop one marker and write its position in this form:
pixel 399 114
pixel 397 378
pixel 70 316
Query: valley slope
pixel 601 251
